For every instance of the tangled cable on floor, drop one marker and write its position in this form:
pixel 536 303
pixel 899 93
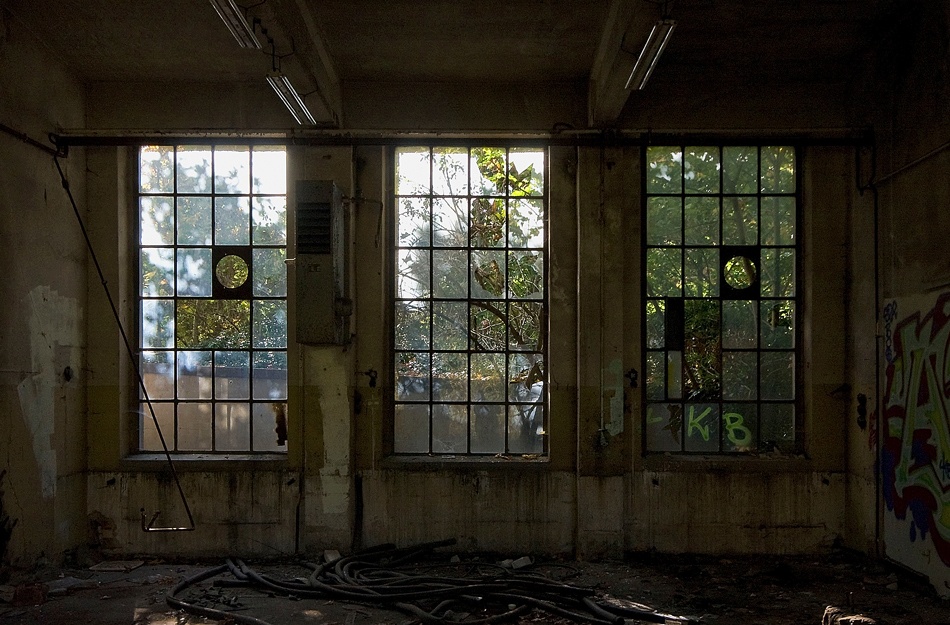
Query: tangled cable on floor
pixel 382 577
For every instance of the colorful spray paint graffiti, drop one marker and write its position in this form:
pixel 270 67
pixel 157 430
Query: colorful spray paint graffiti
pixel 915 456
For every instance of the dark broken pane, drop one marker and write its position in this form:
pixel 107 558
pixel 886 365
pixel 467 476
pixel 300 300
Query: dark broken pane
pixel 194 426
pixel 449 429
pixel 702 427
pixel 778 221
pixel 156 221
pixel 213 324
pixel 232 426
pixel 777 371
pixel 232 375
pixel 270 427
pixel 194 375
pixel 450 325
pixel 157 271
pixel 703 344
pixel 155 169
pixel 449 170
pixel 525 377
pixel 193 221
pixel 449 376
pixel 487 429
pixel 158 373
pixel 194 169
pixel 524 326
pixel 674 374
pixel 655 317
pixel 412 171
pixel 740 169
pixel 664 272
pixel 449 222
pixel 702 220
pixel 149 439
pixel 701 170
pixel 450 273
pixel 412 325
pixel 232 169
pixel 411 429
pixel 488 377
pixel 488 326
pixel 740 221
pixel 778 272
pixel 665 221
pixel 739 324
pixel 778 169
pixel 270 323
pixel 664 426
pixel 232 221
pixel 270 375
pixel 778 323
pixel 413 222
pixel 740 375
pixel 664 169
pixel 701 272
pixel 412 376
pixel 739 427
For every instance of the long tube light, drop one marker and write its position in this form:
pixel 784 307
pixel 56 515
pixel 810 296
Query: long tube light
pixel 291 98
pixel 652 49
pixel 236 22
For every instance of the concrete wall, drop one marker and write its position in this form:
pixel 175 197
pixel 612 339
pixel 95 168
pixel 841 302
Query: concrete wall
pixel 42 332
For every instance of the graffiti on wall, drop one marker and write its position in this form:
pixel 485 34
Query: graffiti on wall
pixel 915 455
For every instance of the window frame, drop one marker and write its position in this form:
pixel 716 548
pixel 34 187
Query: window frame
pixel 392 299
pixel 798 348
pixel 261 427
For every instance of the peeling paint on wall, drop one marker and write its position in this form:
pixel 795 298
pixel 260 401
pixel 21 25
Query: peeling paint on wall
pixel 54 324
pixel 915 457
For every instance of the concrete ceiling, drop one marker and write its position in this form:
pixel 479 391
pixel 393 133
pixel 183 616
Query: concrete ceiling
pixel 477 42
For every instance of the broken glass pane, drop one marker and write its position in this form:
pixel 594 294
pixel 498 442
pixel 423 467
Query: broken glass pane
pixel 664 426
pixel 525 377
pixel 703 350
pixel 656 313
pixel 270 427
pixel 778 323
pixel 489 167
pixel 488 222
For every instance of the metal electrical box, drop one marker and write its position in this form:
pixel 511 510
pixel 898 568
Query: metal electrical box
pixel 323 308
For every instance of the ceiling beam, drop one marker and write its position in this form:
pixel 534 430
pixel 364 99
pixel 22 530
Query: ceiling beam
pixel 310 58
pixel 626 28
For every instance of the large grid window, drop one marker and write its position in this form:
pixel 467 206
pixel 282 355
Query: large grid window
pixel 213 297
pixel 721 249
pixel 470 301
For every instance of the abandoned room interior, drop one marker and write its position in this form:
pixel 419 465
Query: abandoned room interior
pixel 567 278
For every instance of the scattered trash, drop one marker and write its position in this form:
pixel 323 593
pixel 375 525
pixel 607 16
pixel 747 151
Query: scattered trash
pixel 29 594
pixel 331 555
pixel 522 562
pixel 65 585
pixel 117 566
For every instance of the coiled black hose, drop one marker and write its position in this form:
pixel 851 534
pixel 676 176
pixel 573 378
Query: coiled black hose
pixel 379 577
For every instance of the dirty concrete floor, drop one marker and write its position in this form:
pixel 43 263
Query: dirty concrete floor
pixel 750 591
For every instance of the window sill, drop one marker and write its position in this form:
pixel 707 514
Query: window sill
pixel 475 463
pixel 204 462
pixel 761 463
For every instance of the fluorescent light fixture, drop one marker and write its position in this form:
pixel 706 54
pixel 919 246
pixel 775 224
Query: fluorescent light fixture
pixel 233 17
pixel 652 50
pixel 291 98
